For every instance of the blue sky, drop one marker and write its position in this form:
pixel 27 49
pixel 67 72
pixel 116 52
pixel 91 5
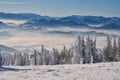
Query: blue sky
pixel 62 7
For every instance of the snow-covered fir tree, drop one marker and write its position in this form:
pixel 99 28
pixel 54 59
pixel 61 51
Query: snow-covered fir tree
pixel 112 51
pixel 62 56
pixel 115 50
pixel 0 59
pixel 118 52
pixel 55 54
pixel 107 51
pixel 77 51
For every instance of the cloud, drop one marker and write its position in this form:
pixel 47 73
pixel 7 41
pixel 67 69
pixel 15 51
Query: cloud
pixel 5 34
pixel 11 3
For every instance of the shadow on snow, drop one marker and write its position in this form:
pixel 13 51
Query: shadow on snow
pixel 12 69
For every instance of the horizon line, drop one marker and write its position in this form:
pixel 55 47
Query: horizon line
pixel 58 16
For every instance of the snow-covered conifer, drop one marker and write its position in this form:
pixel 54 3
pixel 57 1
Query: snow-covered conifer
pixel 0 59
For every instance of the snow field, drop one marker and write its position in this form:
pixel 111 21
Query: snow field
pixel 99 71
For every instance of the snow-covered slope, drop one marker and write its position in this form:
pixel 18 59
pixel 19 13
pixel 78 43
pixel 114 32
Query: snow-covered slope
pixel 6 49
pixel 100 71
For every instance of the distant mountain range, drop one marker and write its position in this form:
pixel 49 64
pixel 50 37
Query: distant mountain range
pixel 75 21
pixel 20 16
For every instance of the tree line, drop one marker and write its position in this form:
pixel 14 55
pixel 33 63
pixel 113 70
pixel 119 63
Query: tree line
pixel 84 51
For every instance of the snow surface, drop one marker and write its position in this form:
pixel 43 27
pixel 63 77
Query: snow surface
pixel 99 71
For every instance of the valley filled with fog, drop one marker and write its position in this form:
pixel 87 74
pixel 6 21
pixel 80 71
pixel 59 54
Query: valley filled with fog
pixel 22 38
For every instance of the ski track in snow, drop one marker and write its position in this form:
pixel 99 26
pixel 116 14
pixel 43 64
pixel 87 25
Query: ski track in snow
pixel 99 71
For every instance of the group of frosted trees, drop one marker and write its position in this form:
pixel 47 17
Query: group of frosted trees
pixel 84 51
pixel 112 51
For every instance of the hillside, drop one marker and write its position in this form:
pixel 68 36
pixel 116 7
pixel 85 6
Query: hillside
pixel 7 49
pixel 111 26
pixel 100 71
pixel 3 25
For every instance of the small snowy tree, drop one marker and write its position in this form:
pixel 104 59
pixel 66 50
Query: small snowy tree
pixel 94 52
pixel 0 60
pixel 56 54
pixel 45 55
pixel 77 51
pixel 33 58
pixel 88 53
pixel 18 59
pixel 114 50
pixel 108 51
pixel 51 59
pixel 61 58
pixel 26 59
pixel 69 55
pixel 118 51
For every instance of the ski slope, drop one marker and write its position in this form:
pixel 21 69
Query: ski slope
pixel 99 71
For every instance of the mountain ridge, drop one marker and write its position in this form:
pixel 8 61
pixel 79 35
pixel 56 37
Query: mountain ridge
pixel 76 21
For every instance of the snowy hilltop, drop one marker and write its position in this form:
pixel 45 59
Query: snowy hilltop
pixel 99 71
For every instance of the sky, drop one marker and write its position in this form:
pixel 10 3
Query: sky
pixel 56 8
